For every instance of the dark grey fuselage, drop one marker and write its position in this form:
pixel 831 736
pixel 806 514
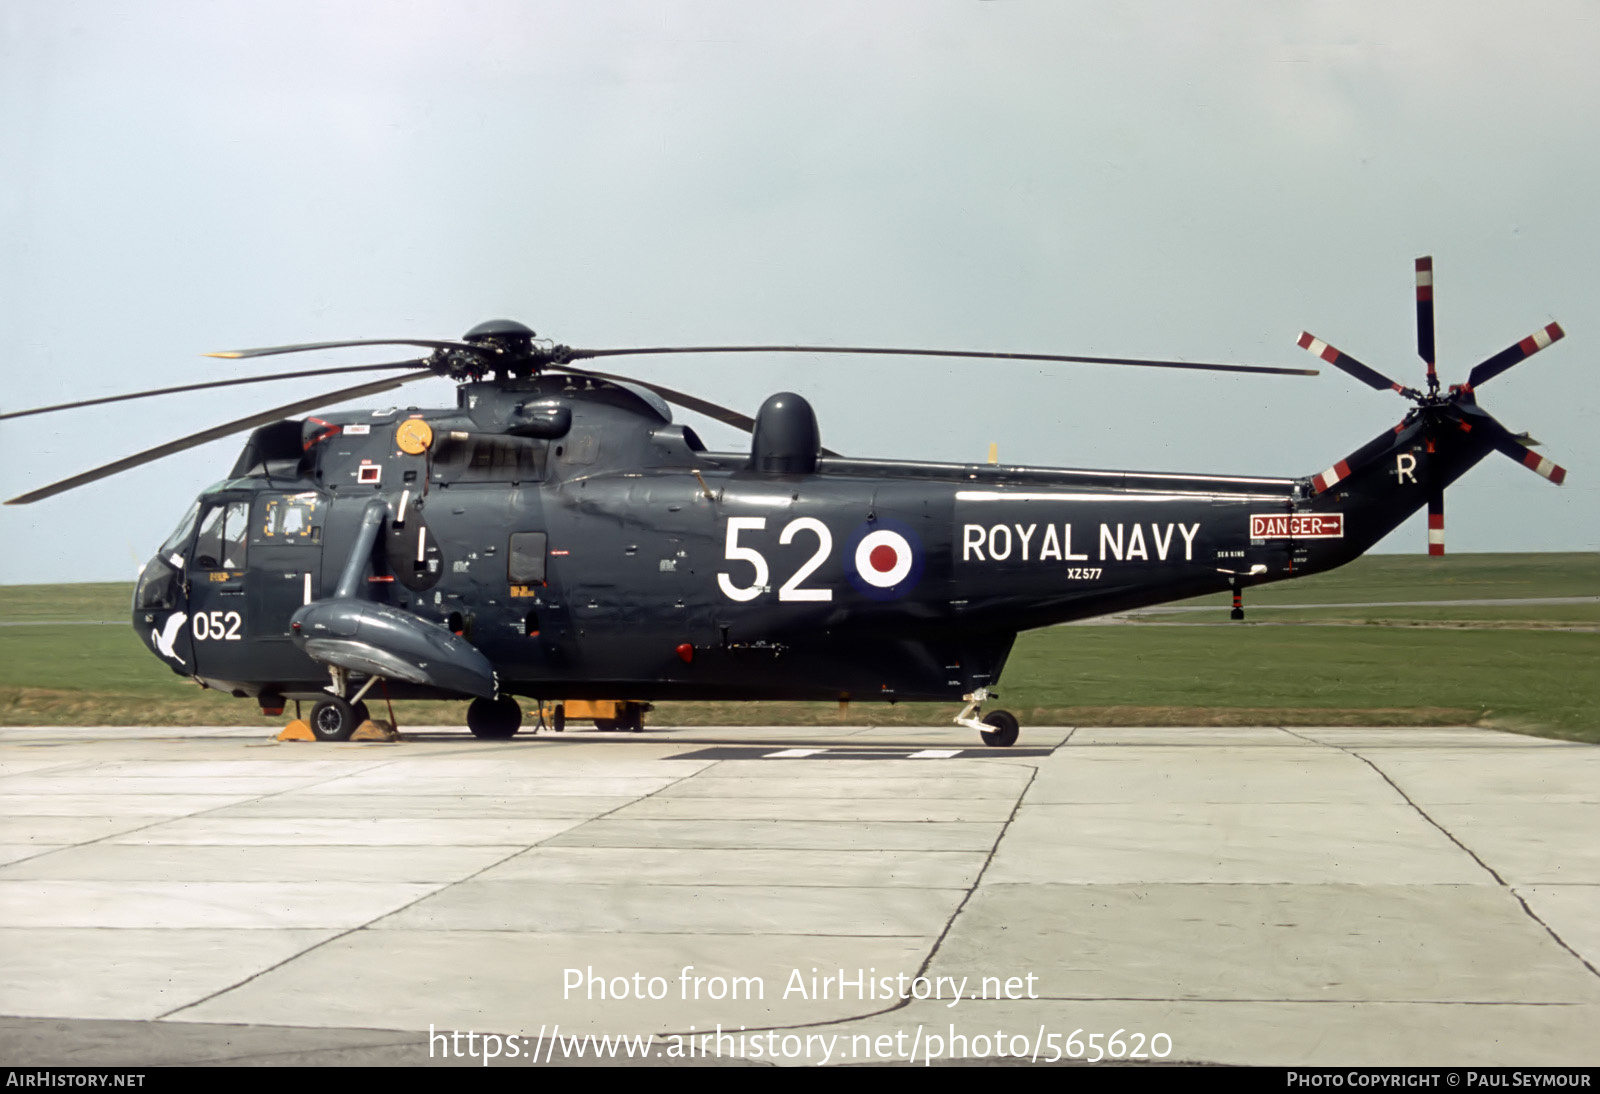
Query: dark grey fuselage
pixel 621 560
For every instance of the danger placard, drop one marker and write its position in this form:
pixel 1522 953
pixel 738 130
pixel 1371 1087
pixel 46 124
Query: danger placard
pixel 1297 526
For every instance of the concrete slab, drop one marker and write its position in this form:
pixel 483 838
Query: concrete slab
pixel 1429 737
pixel 1260 895
pixel 732 780
pixel 56 831
pixel 417 783
pixel 1264 1033
pixel 656 908
pixel 87 973
pixel 1529 843
pixel 515 982
pixel 194 905
pixel 1230 842
pixel 834 809
pixel 743 866
pixel 377 831
pixel 1165 774
pixel 1391 943
pixel 126 805
pixel 843 835
pixel 17 852
pixel 1187 736
pixel 169 862
pixel 1572 912
pixel 362 806
pixel 1464 777
pixel 77 782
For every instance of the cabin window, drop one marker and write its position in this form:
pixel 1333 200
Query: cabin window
pixel 287 518
pixel 478 457
pixel 525 563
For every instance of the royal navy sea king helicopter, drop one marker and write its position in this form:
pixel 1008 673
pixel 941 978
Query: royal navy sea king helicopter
pixel 556 534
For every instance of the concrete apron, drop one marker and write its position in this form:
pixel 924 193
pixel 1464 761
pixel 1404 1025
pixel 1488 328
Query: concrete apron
pixel 1252 896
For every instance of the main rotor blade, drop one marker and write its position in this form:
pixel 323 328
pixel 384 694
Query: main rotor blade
pixel 210 383
pixel 1508 445
pixel 194 439
pixel 1341 360
pixel 689 402
pixel 269 351
pixel 1515 354
pixel 578 354
pixel 1425 319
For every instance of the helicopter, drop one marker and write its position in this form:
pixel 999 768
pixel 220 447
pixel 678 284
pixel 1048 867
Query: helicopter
pixel 556 533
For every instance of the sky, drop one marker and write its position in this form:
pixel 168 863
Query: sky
pixel 1196 181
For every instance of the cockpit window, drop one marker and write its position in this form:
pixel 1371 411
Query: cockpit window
pixel 175 543
pixel 220 545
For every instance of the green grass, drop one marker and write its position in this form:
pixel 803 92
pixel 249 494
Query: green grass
pixel 1502 666
pixel 1418 577
pixel 105 601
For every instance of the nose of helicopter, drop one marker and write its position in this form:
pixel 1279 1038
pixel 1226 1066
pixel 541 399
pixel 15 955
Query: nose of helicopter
pixel 160 612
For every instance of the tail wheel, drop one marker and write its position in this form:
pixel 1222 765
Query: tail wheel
pixel 1004 733
pixel 333 719
pixel 494 719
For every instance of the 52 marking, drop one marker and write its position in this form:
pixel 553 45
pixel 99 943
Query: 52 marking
pixel 223 626
pixel 791 589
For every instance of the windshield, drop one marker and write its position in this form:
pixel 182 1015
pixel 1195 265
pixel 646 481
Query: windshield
pixel 175 542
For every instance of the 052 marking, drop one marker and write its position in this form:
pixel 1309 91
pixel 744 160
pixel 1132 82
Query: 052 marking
pixel 223 626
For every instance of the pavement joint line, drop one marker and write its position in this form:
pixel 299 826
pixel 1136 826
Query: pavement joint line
pixel 411 903
pixel 1492 872
pixel 933 951
pixel 156 822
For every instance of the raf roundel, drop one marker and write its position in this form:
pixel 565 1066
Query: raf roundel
pixel 885 559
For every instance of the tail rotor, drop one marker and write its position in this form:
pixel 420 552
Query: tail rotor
pixel 1456 409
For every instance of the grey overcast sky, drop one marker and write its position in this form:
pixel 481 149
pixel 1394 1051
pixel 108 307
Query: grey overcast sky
pixel 1160 179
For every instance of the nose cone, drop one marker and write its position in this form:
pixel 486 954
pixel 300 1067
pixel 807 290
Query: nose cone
pixel 159 616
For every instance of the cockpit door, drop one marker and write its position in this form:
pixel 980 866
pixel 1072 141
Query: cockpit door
pixel 217 569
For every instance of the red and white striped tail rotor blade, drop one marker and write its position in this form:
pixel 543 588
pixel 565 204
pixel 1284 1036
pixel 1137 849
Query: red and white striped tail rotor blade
pixel 1514 354
pixel 1341 360
pixel 1425 318
pixel 1436 521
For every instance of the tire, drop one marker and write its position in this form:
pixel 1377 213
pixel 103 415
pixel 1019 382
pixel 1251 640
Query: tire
pixel 632 720
pixel 494 719
pixel 606 725
pixel 332 719
pixel 558 718
pixel 362 713
pixel 1004 733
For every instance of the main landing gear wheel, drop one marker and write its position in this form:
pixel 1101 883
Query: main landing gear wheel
pixel 1004 733
pixel 333 719
pixel 361 711
pixel 494 719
